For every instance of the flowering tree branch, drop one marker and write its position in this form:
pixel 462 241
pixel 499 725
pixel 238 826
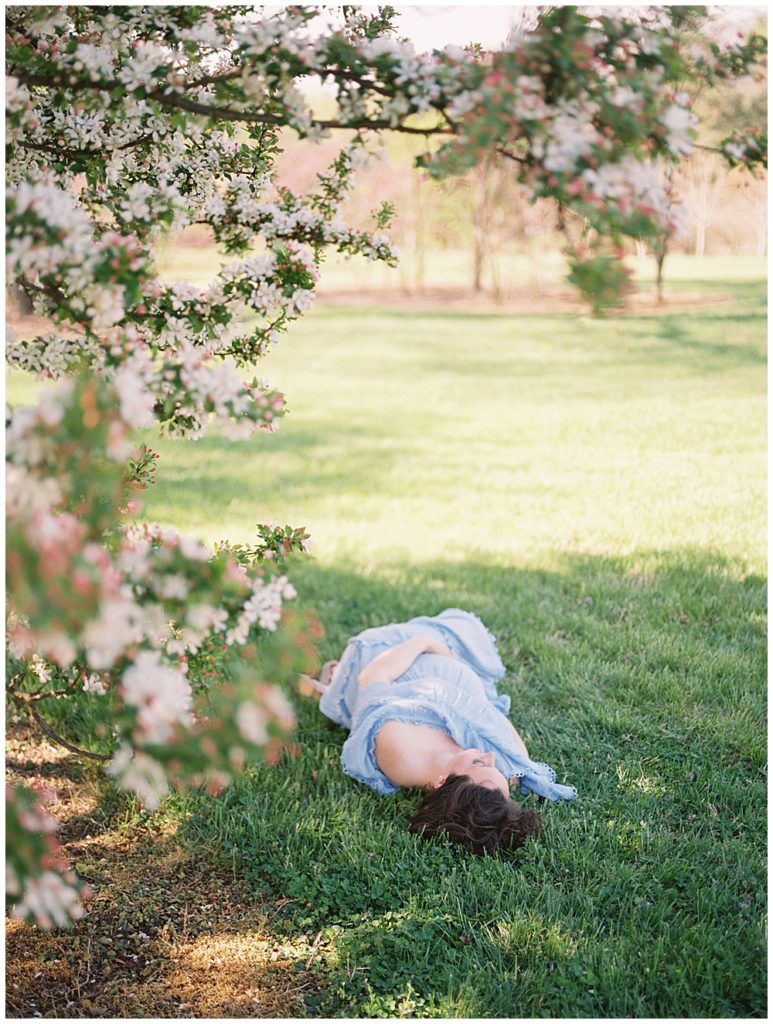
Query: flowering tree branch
pixel 167 98
pixel 74 154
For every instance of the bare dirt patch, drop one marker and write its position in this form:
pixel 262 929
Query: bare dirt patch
pixel 167 933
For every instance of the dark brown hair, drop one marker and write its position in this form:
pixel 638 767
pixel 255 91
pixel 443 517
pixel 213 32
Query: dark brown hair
pixel 481 819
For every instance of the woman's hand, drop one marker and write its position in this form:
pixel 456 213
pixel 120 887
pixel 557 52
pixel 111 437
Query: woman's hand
pixel 438 647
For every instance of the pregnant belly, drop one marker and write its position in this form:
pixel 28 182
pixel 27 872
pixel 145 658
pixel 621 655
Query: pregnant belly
pixel 451 670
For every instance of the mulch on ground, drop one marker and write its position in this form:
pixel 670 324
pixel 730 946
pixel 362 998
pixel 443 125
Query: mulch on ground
pixel 166 934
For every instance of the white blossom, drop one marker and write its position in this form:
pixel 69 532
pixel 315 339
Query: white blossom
pixel 173 586
pixel 17 96
pixel 251 722
pixel 134 382
pixel 279 706
pixel 146 57
pixel 572 135
pixel 116 628
pixel 103 304
pixel 57 646
pixel 680 123
pixel 40 669
pixel 50 900
pixel 140 774
pixel 161 693
pixel 93 683
pixel 137 201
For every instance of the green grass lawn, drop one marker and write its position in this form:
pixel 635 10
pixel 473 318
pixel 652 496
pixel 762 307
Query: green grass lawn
pixel 594 490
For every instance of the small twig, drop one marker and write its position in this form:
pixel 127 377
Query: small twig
pixel 313 950
pixel 53 735
pixel 29 698
pixel 511 156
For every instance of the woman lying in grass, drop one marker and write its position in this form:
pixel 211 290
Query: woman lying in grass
pixel 419 700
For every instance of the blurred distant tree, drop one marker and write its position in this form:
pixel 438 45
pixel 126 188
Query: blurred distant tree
pixel 725 109
pixel 703 187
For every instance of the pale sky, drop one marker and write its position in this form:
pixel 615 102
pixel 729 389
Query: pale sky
pixel 436 24
pixel 430 25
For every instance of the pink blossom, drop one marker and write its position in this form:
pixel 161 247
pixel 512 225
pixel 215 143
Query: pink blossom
pixel 251 722
pixel 50 900
pixel 141 774
pixel 162 694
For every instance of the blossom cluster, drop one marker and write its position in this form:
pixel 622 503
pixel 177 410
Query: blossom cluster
pixel 51 355
pixel 123 620
pixel 746 149
pixel 182 389
pixel 50 893
pixel 640 192
pixel 275 544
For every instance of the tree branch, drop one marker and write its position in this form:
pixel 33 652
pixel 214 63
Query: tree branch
pixel 160 95
pixel 46 147
pixel 561 221
pixel 62 81
pixel 228 114
pixel 335 72
pixel 224 113
pixel 511 156
pixel 51 291
pixel 29 698
pixel 53 735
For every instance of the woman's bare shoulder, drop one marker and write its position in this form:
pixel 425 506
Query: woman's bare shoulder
pixel 405 751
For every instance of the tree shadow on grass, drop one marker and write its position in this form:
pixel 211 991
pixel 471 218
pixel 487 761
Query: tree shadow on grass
pixel 687 344
pixel 236 474
pixel 642 680
pixel 708 341
pixel 742 291
pixel 717 292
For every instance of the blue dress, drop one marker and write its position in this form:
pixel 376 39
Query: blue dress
pixel 457 696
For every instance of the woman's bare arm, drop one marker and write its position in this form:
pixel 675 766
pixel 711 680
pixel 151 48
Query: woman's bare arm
pixel 391 664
